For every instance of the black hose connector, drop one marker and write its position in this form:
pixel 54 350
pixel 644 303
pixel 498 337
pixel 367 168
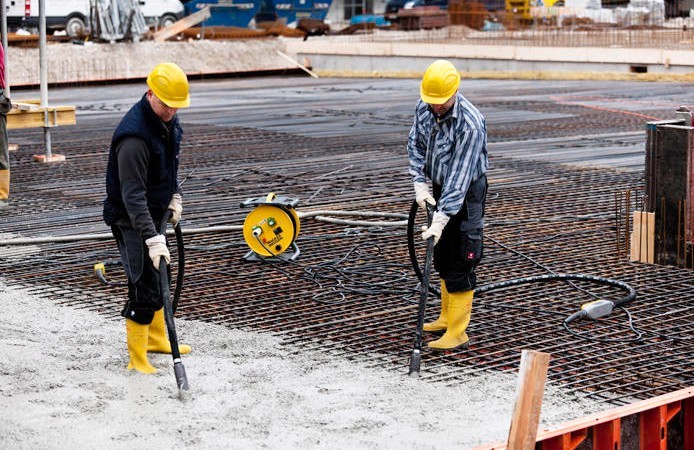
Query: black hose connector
pixel 575 316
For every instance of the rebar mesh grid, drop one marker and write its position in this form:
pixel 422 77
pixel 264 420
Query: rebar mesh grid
pixel 353 291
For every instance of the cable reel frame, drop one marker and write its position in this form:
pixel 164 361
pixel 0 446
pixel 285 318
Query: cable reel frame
pixel 271 228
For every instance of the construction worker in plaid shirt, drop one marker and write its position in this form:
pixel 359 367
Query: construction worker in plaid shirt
pixel 447 149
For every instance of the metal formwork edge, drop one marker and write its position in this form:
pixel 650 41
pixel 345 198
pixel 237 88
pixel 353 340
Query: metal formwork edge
pixel 654 415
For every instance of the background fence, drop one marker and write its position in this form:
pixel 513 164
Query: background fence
pixel 618 26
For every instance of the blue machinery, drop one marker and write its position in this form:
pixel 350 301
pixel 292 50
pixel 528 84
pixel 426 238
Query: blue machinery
pixel 225 13
pixel 239 13
pixel 293 10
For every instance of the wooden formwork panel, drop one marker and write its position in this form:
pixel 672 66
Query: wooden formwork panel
pixel 29 114
pixel 668 160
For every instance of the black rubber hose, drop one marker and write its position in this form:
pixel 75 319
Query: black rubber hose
pixel 631 292
pixel 415 359
pixel 410 247
pixel 180 249
pixel 179 369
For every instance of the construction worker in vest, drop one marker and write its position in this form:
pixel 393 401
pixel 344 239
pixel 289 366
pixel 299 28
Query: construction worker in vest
pixel 447 148
pixel 5 106
pixel 141 185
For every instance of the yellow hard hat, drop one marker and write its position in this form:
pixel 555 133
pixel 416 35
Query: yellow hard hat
pixel 170 84
pixel 440 82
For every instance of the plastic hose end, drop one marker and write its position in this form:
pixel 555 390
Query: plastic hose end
pixel 575 316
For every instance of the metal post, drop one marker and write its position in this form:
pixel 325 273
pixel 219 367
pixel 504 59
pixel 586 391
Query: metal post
pixel 43 68
pixel 3 29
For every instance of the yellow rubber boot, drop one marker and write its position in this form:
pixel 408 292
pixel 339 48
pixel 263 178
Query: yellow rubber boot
pixel 158 340
pixel 442 322
pixel 137 347
pixel 4 184
pixel 459 312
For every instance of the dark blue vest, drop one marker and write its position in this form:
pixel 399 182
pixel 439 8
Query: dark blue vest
pixel 162 174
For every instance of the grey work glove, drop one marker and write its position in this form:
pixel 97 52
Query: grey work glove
pixel 176 207
pixel 438 223
pixel 158 249
pixel 5 104
pixel 422 194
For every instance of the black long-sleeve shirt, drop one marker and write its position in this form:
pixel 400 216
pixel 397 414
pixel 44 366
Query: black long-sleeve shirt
pixel 133 162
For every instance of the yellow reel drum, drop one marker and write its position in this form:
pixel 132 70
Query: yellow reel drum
pixel 271 228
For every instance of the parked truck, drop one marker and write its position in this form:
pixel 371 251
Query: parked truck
pixel 73 16
pixel 240 13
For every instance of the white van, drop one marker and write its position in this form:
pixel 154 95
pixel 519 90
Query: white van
pixel 73 15
pixel 161 13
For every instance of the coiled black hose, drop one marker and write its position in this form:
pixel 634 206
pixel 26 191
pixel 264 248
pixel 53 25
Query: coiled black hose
pixel 630 291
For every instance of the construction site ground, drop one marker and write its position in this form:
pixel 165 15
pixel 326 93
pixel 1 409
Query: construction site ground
pixel 314 353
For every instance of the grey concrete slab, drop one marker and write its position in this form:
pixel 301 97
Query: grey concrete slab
pixel 567 122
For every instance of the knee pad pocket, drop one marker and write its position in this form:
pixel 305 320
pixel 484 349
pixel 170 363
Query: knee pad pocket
pixel 143 316
pixel 471 247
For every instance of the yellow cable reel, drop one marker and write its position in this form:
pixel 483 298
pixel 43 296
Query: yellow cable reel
pixel 271 228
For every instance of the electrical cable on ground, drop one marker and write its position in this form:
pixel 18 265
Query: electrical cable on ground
pixel 346 279
pixel 316 273
pixel 320 215
pixel 594 310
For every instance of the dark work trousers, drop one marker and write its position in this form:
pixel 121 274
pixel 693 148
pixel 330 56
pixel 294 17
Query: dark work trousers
pixel 144 291
pixel 460 247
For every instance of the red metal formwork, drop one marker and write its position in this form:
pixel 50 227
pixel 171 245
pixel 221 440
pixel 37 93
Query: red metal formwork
pixel 606 432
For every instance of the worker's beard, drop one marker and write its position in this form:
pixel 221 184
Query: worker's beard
pixel 443 116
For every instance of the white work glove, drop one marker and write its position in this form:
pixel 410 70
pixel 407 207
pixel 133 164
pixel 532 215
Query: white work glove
pixel 422 194
pixel 158 249
pixel 438 223
pixel 176 207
